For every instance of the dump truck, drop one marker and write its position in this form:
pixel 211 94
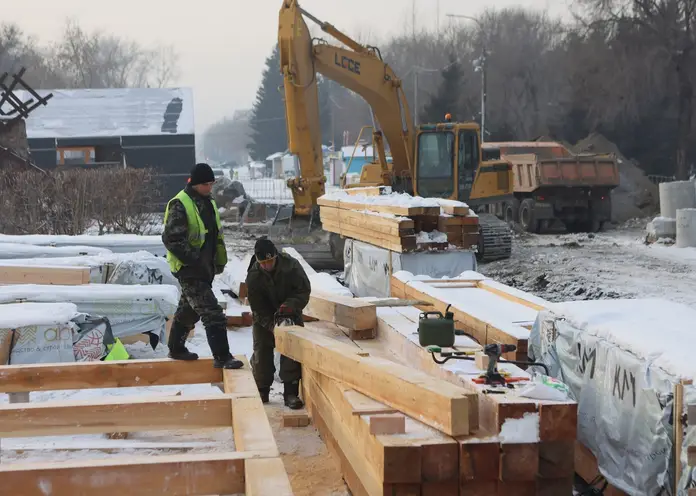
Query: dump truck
pixel 552 184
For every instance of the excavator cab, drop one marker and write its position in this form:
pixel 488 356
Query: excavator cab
pixel 448 165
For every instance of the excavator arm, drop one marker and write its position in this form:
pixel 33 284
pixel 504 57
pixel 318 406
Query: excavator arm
pixel 356 67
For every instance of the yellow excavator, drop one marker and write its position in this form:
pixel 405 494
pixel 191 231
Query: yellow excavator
pixel 441 160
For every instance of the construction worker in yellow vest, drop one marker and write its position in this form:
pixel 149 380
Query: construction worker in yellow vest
pixel 196 252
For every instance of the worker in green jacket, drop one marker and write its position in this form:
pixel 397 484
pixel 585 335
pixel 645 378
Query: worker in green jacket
pixel 278 289
pixel 196 252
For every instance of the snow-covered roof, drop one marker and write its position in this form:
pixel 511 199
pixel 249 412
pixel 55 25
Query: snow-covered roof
pixel 112 112
pixel 275 156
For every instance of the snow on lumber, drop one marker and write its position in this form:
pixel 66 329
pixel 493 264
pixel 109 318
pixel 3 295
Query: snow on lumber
pixel 114 242
pixel 16 315
pixel 320 281
pixel 520 431
pixel 156 294
pixel 434 402
pixel 653 329
pixel 395 203
pixel 488 307
pixel 23 250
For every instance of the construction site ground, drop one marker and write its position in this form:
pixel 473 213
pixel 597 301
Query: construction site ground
pixel 559 267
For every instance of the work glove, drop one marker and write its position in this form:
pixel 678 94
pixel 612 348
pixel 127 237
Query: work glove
pixel 284 310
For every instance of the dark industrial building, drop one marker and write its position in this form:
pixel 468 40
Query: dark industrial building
pixel 138 127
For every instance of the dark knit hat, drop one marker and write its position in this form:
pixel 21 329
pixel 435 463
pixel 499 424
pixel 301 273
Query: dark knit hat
pixel 264 249
pixel 201 173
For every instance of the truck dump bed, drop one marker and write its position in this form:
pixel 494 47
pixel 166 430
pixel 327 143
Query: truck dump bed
pixel 537 165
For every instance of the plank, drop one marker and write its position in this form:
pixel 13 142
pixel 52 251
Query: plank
pixel 387 424
pixel 240 381
pixel 385 209
pixel 351 313
pixel 174 475
pixel 33 274
pixel 398 244
pixel 89 375
pixel 265 477
pixel 393 459
pixel 122 414
pixel 434 402
pixel 250 426
pixel 366 478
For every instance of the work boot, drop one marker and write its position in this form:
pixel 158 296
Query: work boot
pixel 177 344
pixel 228 362
pixel 291 395
pixel 264 393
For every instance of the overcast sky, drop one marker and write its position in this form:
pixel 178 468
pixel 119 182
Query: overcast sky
pixel 223 43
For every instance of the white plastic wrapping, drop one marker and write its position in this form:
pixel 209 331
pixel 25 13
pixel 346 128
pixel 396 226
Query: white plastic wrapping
pixel 130 309
pixel 368 268
pixel 624 394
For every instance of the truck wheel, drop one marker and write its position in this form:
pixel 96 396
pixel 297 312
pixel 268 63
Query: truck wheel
pixel 511 211
pixel 527 219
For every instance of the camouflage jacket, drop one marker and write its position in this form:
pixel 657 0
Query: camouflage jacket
pixel 198 264
pixel 287 284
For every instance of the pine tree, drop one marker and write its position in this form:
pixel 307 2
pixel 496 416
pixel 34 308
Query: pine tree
pixel 268 131
pixel 447 98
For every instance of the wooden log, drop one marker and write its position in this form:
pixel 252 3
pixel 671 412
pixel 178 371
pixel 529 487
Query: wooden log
pixel 351 313
pixel 434 402
pixel 175 475
pixel 33 274
pixel 130 414
pixel 88 375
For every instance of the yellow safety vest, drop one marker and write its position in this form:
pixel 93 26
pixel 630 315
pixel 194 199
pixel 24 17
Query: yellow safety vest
pixel 196 231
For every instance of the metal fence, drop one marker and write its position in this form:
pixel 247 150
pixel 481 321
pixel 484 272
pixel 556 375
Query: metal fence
pixel 271 191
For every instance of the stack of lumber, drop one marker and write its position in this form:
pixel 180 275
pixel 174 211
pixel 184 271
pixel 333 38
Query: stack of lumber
pixel 509 444
pixel 398 222
pixel 460 225
pixel 492 312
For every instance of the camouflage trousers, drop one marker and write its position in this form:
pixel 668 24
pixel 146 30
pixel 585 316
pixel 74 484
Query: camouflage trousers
pixel 198 302
pixel 262 360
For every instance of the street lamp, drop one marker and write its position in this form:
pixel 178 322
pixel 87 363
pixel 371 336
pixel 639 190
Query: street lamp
pixel 479 66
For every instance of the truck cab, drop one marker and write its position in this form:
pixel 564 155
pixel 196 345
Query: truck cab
pixel 448 165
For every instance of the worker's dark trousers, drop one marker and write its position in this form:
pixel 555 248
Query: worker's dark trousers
pixel 198 302
pixel 262 360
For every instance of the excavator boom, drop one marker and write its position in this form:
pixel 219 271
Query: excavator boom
pixel 358 68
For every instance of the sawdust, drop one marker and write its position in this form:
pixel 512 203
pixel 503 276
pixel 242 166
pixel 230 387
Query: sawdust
pixel 310 467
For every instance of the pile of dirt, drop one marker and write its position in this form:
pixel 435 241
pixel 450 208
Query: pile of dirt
pixel 636 195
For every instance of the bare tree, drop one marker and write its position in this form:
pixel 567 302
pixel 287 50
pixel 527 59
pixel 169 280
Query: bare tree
pixel 668 27
pixel 96 60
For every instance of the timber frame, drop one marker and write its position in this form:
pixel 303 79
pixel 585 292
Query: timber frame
pixel 254 468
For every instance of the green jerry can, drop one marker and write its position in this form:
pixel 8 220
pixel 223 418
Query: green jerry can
pixel 434 329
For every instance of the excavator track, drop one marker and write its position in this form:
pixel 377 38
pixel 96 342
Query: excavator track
pixel 495 239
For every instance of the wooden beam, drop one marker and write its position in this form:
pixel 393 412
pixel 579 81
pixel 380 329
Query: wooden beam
pixel 122 414
pixel 434 402
pixel 90 375
pixel 250 426
pixel 240 381
pixel 266 477
pixel 32 274
pixel 351 313
pixel 367 477
pixel 174 475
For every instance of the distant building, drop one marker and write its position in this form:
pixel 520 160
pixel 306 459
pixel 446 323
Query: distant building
pixel 135 127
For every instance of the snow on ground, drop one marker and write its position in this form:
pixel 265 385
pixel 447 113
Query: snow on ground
pixel 611 264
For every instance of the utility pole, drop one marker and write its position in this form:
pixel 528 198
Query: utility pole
pixel 480 65
pixel 415 95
